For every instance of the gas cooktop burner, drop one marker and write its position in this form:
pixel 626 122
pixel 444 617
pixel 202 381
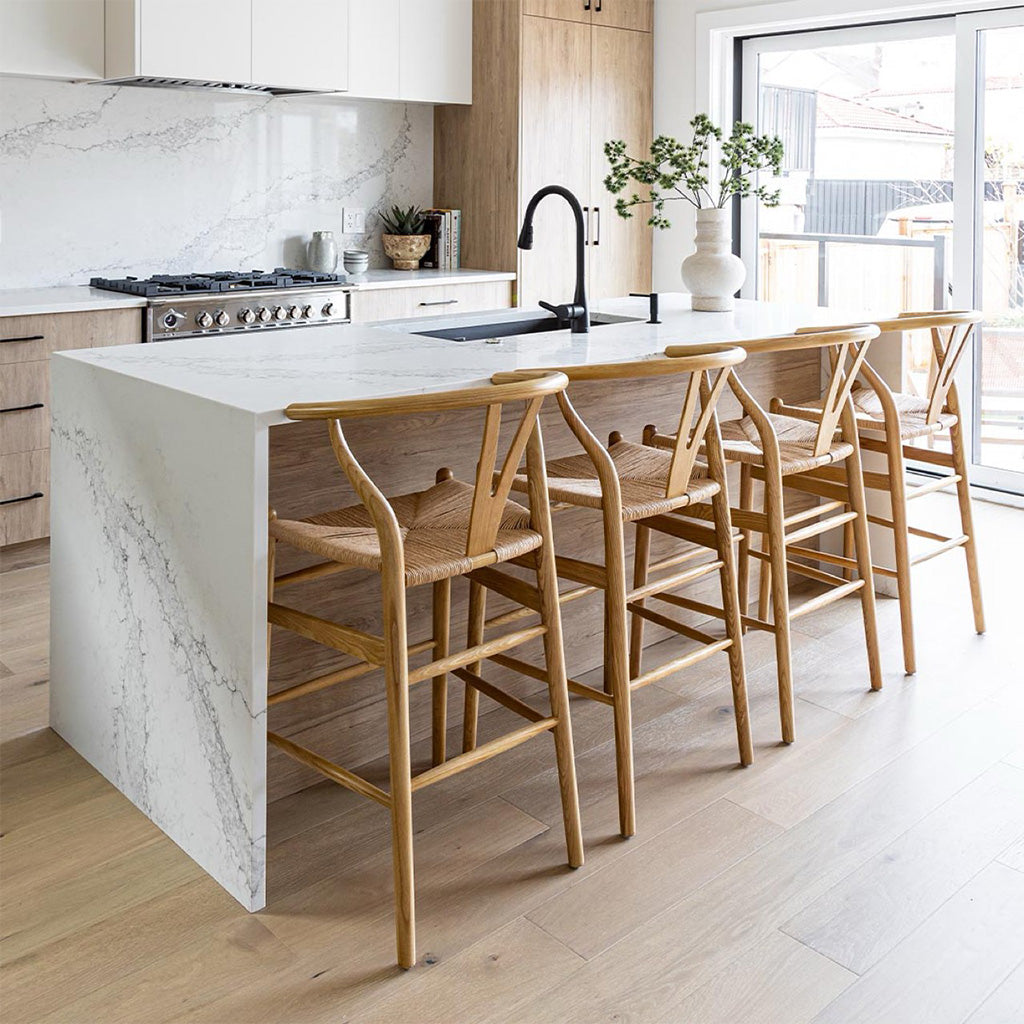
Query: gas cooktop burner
pixel 221 281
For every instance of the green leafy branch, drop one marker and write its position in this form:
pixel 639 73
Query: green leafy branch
pixel 677 171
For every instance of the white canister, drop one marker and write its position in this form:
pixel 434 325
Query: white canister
pixel 322 252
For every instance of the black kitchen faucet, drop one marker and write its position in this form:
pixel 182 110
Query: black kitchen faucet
pixel 576 315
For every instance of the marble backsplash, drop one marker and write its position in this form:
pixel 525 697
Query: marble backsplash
pixel 100 180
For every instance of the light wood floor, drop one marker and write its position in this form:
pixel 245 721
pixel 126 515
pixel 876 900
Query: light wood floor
pixel 872 872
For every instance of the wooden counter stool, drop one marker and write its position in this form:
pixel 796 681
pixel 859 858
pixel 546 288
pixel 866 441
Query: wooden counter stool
pixel 888 422
pixel 823 456
pixel 630 483
pixel 451 529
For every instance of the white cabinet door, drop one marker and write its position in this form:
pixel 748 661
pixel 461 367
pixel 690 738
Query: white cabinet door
pixel 373 30
pixel 435 50
pixel 300 44
pixel 209 40
pixel 52 38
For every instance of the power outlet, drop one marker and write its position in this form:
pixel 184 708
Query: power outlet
pixel 354 220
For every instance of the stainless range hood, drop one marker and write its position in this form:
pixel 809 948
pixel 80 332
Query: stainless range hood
pixel 153 82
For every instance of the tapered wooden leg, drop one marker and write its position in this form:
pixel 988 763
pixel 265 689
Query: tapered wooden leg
pixel 774 510
pixel 743 562
pixel 901 548
pixel 963 496
pixel 617 667
pixel 848 548
pixel 439 695
pixel 862 545
pixel 733 624
pixel 554 653
pixel 396 676
pixel 641 560
pixel 475 635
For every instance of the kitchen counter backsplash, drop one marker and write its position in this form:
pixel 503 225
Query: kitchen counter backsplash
pixel 100 180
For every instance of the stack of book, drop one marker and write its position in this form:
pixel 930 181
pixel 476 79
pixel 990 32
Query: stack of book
pixel 445 229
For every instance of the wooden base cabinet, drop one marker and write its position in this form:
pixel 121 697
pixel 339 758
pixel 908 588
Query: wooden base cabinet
pixel 428 300
pixel 555 82
pixel 26 343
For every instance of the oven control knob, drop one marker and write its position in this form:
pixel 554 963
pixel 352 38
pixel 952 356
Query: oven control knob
pixel 204 319
pixel 247 316
pixel 221 319
pixel 280 313
pixel 172 318
pixel 307 312
pixel 328 309
pixel 263 314
pixel 293 312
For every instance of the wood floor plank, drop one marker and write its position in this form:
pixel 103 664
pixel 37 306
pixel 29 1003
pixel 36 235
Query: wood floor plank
pixel 685 945
pixel 47 785
pixel 486 981
pixel 240 952
pixel 70 968
pixel 608 904
pixel 870 911
pixel 942 971
pixel 27 747
pixel 1006 1004
pixel 777 981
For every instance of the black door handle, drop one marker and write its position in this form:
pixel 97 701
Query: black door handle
pixel 28 337
pixel 22 408
pixel 24 497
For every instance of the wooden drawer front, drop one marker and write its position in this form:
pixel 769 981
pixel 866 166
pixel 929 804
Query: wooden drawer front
pixel 26 338
pixel 24 476
pixel 24 406
pixel 473 298
pixel 394 303
pixel 434 300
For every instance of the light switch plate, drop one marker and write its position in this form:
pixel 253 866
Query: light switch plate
pixel 354 220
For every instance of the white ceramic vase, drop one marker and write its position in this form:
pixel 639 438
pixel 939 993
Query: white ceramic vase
pixel 322 252
pixel 713 274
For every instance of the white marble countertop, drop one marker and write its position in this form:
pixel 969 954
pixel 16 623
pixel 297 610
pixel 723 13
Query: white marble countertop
pixel 262 373
pixel 72 298
pixel 78 298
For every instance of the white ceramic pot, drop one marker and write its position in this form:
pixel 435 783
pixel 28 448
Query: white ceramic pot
pixel 713 274
pixel 322 252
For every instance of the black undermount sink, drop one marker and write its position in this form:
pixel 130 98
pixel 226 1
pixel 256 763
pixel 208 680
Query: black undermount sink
pixel 507 328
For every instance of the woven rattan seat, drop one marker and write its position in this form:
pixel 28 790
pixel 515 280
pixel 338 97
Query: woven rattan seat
pixel 741 443
pixel 643 475
pixel 433 525
pixel 913 412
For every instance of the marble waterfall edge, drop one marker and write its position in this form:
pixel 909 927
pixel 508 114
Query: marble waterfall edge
pixel 157 675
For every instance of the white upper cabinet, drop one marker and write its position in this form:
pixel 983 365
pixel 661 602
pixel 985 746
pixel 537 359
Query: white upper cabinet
pixel 301 44
pixel 435 50
pixel 51 38
pixel 373 66
pixel 206 40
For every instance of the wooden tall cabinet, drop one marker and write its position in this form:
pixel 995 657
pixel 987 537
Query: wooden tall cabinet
pixel 554 80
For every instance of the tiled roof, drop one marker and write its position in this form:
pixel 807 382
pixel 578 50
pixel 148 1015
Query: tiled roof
pixel 836 112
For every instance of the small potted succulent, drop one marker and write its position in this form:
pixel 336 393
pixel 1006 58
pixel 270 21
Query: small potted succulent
pixel 676 171
pixel 404 240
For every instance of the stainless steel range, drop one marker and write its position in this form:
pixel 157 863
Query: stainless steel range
pixel 184 306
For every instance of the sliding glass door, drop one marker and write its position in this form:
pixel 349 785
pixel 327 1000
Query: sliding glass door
pixel 989 266
pixel 903 188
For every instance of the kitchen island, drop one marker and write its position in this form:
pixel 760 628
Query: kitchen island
pixel 164 460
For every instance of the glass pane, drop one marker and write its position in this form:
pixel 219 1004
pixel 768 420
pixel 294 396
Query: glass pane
pixel 866 216
pixel 999 240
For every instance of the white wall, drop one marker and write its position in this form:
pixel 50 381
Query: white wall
pixel 100 180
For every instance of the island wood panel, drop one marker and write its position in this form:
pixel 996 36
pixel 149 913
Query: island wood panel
pixel 566 10
pixel 476 147
pixel 347 723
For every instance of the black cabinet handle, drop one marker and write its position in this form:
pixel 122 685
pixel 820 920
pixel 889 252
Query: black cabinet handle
pixel 28 337
pixel 22 408
pixel 586 5
pixel 597 217
pixel 598 7
pixel 586 225
pixel 440 302
pixel 24 497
